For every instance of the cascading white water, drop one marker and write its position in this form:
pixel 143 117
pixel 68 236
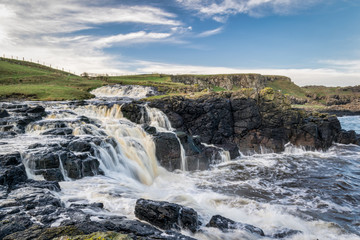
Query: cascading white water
pixel 224 155
pixel 133 151
pixel 161 122
pixel 129 91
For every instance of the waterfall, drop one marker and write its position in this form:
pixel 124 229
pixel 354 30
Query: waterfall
pixel 120 91
pixel 130 150
pixel 161 122
pixel 224 155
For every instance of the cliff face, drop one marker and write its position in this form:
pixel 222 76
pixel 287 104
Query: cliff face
pixel 227 81
pixel 235 120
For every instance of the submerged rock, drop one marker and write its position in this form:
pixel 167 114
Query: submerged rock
pixel 167 215
pixel 283 233
pixel 225 224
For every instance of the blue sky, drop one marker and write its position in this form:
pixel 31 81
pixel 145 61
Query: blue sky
pixel 311 41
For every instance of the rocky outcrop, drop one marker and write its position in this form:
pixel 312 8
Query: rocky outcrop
pixel 14 117
pixel 251 123
pixel 167 215
pixel 227 81
pixel 225 224
pixel 75 157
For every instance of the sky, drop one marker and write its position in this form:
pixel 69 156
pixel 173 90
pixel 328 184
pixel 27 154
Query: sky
pixel 315 42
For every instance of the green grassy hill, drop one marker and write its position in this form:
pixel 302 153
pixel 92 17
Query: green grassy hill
pixel 26 80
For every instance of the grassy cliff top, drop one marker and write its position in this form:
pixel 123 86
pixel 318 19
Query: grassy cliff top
pixel 229 74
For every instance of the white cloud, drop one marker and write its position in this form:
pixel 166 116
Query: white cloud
pixel 219 10
pixel 348 65
pixel 210 32
pixel 47 30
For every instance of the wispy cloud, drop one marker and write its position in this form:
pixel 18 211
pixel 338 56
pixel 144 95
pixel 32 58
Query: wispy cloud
pixel 210 32
pixel 347 65
pixel 49 30
pixel 219 10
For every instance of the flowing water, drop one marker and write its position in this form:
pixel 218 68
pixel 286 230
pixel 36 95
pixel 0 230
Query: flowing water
pixel 317 192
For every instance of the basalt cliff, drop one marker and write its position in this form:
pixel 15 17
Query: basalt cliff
pixel 252 122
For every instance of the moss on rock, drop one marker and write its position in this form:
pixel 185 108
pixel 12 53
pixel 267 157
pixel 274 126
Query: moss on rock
pixel 97 236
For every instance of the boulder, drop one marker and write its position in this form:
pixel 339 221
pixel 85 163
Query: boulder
pixel 225 224
pixel 3 113
pixel 12 175
pixel 168 151
pixel 283 233
pixel 58 132
pixel 167 215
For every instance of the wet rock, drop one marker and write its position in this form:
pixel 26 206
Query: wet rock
pixel 149 129
pixel 77 168
pixel 37 110
pixel 51 185
pixel 10 159
pixel 133 226
pixel 134 112
pixel 92 205
pixel 79 145
pixel 51 174
pixel 225 224
pixel 58 132
pixel 283 233
pixel 13 225
pixel 348 137
pixel 12 175
pixel 168 151
pixel 41 233
pixel 56 160
pixel 167 215
pixel 3 113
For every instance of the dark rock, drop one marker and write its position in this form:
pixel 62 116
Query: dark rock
pixel 13 225
pixel 263 121
pixel 3 113
pixel 39 233
pixel 134 226
pixel 37 110
pixel 225 224
pixel 134 112
pixel 168 151
pixel 51 185
pixel 167 215
pixel 10 159
pixel 283 233
pixel 149 129
pixel 347 137
pixel 48 162
pixel 92 205
pixel 50 174
pixel 12 175
pixel 58 132
pixel 79 145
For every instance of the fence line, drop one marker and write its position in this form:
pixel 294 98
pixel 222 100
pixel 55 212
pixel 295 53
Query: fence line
pixel 38 62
